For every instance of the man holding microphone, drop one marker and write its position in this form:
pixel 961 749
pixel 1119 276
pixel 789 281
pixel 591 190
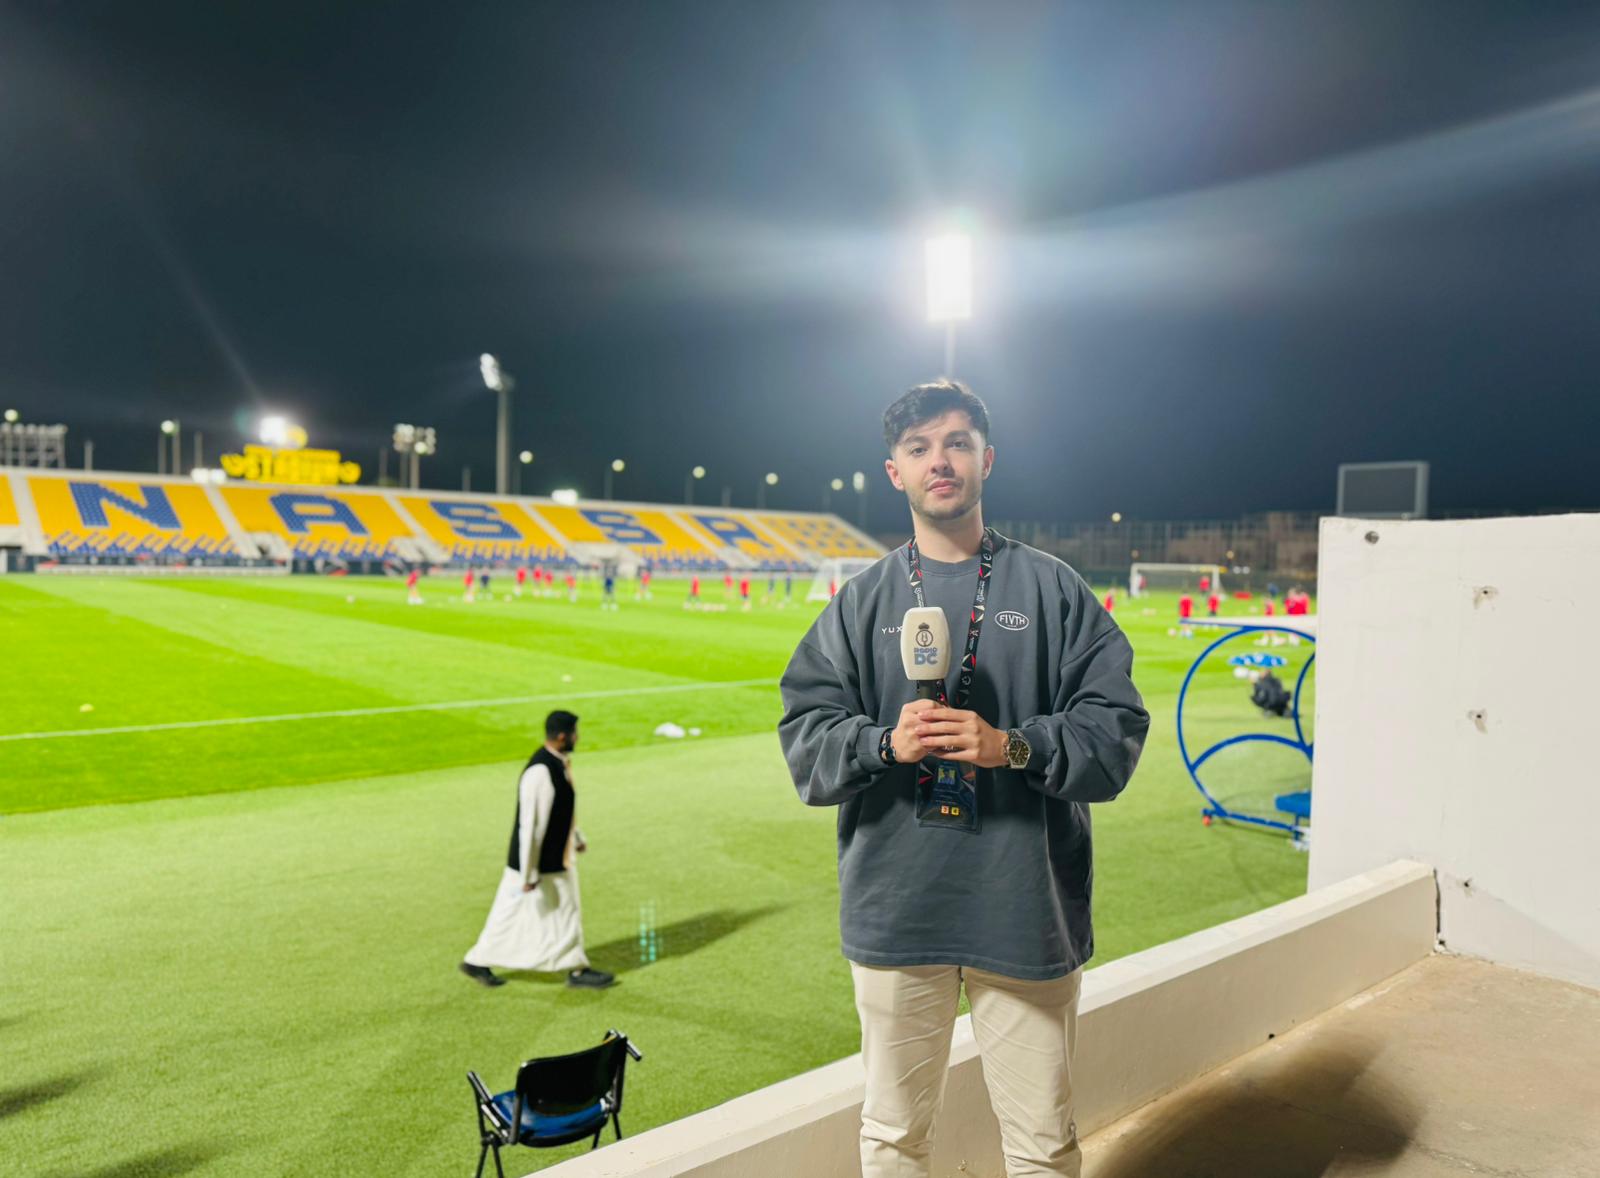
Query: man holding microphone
pixel 963 832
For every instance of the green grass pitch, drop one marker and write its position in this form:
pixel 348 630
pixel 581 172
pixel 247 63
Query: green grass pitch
pixel 230 947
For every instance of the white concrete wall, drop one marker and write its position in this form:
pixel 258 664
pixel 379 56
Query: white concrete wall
pixel 1458 723
pixel 1148 1024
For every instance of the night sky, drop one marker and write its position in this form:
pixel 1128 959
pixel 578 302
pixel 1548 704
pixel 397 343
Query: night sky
pixel 1221 248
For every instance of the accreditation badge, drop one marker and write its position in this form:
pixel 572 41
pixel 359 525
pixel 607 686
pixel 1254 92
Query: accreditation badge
pixel 947 795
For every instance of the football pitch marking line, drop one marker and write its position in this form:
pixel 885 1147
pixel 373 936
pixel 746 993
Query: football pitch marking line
pixel 66 733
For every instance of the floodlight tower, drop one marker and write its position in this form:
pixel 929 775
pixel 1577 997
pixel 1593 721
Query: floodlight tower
pixel 617 467
pixel 858 482
pixel 501 383
pixel 949 258
pixel 695 475
pixel 770 479
pixel 170 453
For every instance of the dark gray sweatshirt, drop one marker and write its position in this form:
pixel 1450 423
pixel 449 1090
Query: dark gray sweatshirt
pixel 1012 898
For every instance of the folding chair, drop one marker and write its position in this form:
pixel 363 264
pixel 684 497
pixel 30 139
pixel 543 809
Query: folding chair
pixel 557 1100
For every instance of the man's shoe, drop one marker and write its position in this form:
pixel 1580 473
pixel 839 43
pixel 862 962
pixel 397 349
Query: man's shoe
pixel 482 974
pixel 590 979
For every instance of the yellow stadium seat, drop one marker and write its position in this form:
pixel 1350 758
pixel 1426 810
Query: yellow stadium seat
pixel 320 522
pixel 85 515
pixel 821 535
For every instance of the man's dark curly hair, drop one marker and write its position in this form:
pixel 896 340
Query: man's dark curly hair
pixel 927 401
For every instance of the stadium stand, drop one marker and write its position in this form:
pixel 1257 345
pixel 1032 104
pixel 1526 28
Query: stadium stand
pixel 822 537
pixel 474 530
pixel 89 518
pixel 322 524
pixel 8 506
pixel 740 534
pixel 86 516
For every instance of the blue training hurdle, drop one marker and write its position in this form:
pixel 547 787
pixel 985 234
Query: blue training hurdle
pixel 1297 805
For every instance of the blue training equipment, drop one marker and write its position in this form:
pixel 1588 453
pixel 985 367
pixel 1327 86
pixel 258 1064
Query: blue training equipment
pixel 1297 805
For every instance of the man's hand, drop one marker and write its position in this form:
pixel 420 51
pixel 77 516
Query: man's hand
pixel 954 734
pixel 579 846
pixel 908 749
pixel 531 885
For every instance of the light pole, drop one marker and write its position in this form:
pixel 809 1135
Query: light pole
pixel 171 439
pixel 413 442
pixel 617 467
pixel 949 258
pixel 858 481
pixel 689 481
pixel 523 459
pixel 770 480
pixel 502 384
pixel 827 492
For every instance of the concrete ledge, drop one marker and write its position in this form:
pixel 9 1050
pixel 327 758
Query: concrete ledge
pixel 1148 1024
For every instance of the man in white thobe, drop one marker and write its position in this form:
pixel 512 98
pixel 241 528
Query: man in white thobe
pixel 536 921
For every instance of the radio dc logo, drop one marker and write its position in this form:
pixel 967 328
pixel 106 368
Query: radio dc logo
pixel 926 654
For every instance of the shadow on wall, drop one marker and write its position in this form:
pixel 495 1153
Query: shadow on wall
pixel 1296 1116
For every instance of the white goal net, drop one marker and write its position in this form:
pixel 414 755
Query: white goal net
pixel 1150 578
pixel 832 574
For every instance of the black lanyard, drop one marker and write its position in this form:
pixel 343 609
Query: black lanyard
pixel 969 659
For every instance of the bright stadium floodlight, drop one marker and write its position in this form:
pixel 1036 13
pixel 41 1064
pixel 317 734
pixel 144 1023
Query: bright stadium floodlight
pixel 949 262
pixel 11 416
pixel 695 474
pixel 949 259
pixel 837 484
pixel 618 465
pixel 525 457
pixel 273 430
pixel 1116 517
pixel 493 378
pixel 169 427
pixel 565 496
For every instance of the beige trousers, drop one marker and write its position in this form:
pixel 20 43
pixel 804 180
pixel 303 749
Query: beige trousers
pixel 1026 1033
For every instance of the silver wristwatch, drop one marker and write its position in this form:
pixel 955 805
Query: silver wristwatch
pixel 1017 749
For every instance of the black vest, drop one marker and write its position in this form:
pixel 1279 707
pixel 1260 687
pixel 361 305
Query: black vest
pixel 551 853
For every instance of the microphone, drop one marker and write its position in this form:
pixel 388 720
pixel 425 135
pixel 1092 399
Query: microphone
pixel 925 648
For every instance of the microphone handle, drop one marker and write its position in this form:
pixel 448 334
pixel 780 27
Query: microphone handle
pixel 927 689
